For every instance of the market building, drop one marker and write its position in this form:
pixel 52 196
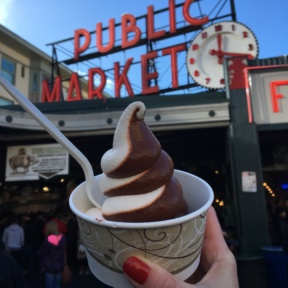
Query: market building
pixel 231 131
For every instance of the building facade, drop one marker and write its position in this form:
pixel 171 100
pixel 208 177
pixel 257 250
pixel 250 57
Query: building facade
pixel 25 66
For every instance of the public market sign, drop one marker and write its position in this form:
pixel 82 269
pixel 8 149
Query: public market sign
pixel 131 36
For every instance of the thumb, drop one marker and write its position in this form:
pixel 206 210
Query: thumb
pixel 145 274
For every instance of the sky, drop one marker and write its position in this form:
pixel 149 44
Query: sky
pixel 43 22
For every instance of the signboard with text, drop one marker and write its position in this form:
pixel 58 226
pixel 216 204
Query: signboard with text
pixel 249 183
pixel 136 55
pixel 29 162
pixel 269 95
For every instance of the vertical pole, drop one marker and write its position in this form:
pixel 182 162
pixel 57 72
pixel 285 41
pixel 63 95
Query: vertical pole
pixel 233 10
pixel 247 179
pixel 55 66
pixel 245 158
pixel 51 82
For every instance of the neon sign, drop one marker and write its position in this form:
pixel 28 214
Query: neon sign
pixel 131 36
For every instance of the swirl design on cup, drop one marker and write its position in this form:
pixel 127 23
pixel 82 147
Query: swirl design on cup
pixel 176 247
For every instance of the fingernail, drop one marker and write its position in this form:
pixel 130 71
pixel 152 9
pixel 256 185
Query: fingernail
pixel 136 269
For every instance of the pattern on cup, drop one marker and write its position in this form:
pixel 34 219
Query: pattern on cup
pixel 174 248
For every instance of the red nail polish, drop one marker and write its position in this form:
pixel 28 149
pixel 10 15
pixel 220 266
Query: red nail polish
pixel 136 269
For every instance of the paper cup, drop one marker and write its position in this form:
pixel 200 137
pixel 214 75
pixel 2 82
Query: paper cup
pixel 173 244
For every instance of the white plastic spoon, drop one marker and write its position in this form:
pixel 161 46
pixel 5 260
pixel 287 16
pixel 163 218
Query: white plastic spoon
pixel 91 184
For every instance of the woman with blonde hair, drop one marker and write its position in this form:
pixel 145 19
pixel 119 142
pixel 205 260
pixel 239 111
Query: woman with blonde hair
pixel 53 255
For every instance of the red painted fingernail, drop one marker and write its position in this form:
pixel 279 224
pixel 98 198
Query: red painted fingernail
pixel 136 269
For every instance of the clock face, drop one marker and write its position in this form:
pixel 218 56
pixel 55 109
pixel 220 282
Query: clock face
pixel 206 54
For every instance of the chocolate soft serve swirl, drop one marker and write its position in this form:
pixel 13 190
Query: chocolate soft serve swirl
pixel 138 175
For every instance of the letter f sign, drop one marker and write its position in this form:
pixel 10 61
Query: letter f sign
pixel 275 96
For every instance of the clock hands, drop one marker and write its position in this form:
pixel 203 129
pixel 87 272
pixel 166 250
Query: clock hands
pixel 250 56
pixel 220 53
pixel 219 42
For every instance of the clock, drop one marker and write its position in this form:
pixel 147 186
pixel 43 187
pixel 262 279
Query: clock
pixel 208 49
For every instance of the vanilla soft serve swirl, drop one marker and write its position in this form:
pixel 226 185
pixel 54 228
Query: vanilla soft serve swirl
pixel 138 175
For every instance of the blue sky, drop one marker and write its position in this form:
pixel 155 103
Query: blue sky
pixel 43 22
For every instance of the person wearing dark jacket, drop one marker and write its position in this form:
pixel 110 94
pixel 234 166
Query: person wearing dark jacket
pixel 10 272
pixel 53 255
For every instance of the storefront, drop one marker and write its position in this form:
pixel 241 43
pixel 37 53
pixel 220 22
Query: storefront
pixel 187 139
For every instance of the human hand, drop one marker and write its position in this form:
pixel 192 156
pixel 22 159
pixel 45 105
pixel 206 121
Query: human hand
pixel 217 267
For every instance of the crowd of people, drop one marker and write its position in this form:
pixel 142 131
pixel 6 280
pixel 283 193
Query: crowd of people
pixel 46 243
pixel 55 243
pixel 43 243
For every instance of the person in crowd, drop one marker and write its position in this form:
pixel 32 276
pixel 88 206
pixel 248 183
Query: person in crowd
pixel 72 241
pixel 82 259
pixel 217 267
pixel 31 242
pixel 13 239
pixel 10 273
pixel 3 224
pixel 40 221
pixel 52 255
pixel 57 218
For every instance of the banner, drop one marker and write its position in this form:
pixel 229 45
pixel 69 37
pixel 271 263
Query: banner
pixel 33 161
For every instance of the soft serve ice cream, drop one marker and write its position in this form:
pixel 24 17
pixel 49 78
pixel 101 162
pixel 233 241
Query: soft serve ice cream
pixel 138 175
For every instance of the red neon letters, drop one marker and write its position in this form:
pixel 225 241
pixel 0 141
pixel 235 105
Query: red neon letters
pixel 275 96
pixel 74 92
pixel 96 93
pixel 173 52
pixel 78 49
pixel 121 78
pixel 146 77
pixel 99 41
pixel 129 27
pixel 130 35
pixel 55 94
pixel 189 19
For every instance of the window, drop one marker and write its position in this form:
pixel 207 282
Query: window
pixel 4 101
pixel 23 72
pixel 8 70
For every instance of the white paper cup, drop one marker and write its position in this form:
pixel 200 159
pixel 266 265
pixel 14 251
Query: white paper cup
pixel 173 244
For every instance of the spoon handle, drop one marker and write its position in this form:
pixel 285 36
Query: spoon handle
pixel 57 135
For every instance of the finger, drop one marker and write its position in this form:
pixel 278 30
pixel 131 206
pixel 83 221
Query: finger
pixel 213 244
pixel 213 229
pixel 145 274
pixel 216 256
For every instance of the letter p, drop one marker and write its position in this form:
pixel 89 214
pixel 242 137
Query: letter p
pixel 77 36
